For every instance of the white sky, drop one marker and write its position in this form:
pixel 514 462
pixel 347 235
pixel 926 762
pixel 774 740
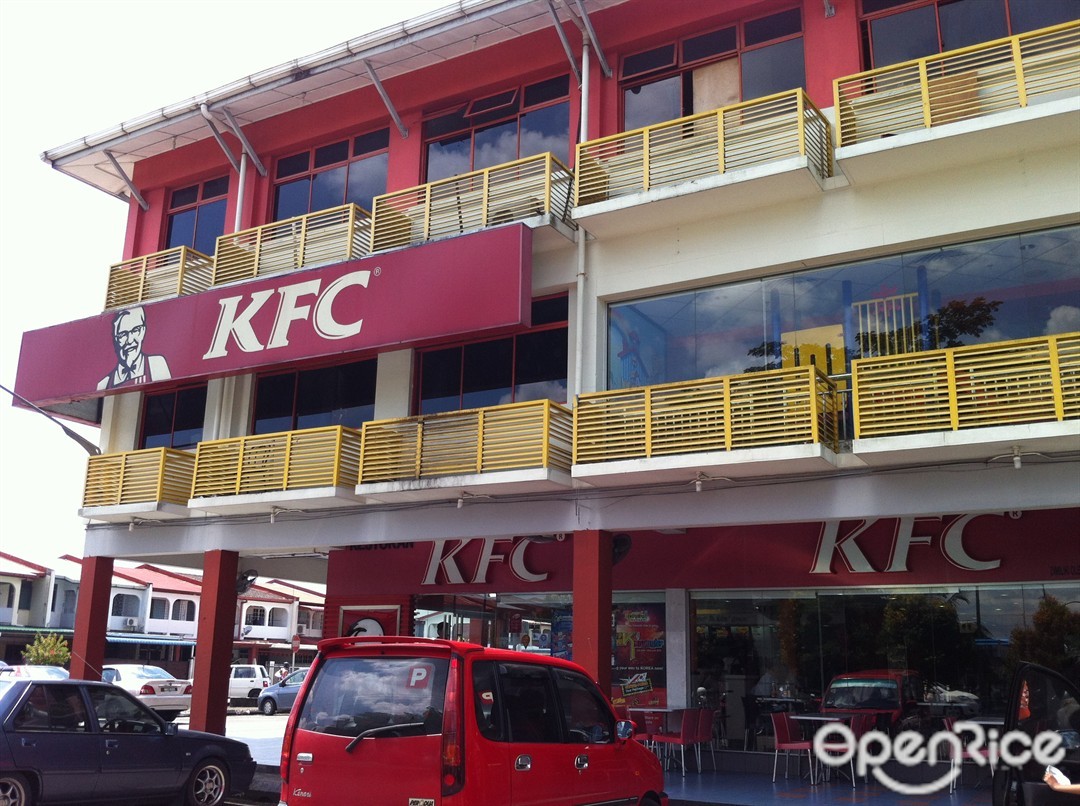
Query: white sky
pixel 69 68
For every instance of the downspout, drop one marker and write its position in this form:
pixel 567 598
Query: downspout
pixel 241 192
pixel 582 235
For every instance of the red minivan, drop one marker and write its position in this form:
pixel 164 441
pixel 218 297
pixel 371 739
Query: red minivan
pixel 410 721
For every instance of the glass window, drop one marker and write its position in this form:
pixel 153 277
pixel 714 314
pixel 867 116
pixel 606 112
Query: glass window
pixel 53 709
pixel 769 60
pixel 532 713
pixel 183 610
pixel 501 128
pixel 196 215
pixel 1030 16
pixel 528 366
pixel 331 175
pixel 969 22
pixel 124 604
pixel 255 616
pixel 977 292
pixel 159 608
pixel 174 419
pixel 586 716
pixel 118 712
pixel 338 395
pixel 354 695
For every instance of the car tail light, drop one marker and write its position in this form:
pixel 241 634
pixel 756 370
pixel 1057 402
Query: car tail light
pixel 453 735
pixel 187 689
pixel 266 683
pixel 147 689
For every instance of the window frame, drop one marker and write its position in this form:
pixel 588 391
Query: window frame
pixel 175 392
pixel 201 201
pixel 296 376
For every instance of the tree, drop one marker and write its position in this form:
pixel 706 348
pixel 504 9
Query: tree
pixel 48 650
pixel 1053 640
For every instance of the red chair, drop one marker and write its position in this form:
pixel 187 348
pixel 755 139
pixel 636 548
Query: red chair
pixel 686 737
pixel 788 738
pixel 706 718
pixel 957 761
pixel 860 724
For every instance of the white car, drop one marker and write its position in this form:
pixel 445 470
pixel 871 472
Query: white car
pixel 35 672
pixel 960 703
pixel 247 681
pixel 153 686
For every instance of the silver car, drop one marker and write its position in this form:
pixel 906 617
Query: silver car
pixel 155 687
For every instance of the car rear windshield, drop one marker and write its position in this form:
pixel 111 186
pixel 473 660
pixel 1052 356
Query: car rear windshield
pixel 862 693
pixel 149 673
pixel 384 696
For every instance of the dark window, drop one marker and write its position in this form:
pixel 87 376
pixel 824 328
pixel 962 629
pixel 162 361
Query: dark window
pixel 532 713
pixel 26 594
pixel 1030 15
pixel 174 419
pixel 331 175
pixel 197 215
pixel 159 608
pixel 509 125
pixel 769 59
pixel 586 716
pixel 527 366
pixel 339 395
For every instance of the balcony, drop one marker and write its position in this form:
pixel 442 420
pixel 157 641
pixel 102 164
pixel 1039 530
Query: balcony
pixel 171 273
pixel 779 421
pixel 151 484
pixel 1022 90
pixel 519 447
pixel 329 236
pixel 763 151
pixel 969 403
pixel 536 190
pixel 311 469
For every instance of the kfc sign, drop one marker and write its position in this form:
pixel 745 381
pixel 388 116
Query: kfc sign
pixel 443 566
pixel 474 284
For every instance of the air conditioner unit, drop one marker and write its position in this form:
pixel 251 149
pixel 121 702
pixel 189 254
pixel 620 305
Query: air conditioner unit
pixel 131 622
pixel 300 629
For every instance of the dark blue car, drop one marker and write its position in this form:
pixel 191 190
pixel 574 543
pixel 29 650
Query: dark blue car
pixel 76 740
pixel 281 696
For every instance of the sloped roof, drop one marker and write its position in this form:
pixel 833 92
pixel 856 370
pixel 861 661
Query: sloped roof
pixel 12 566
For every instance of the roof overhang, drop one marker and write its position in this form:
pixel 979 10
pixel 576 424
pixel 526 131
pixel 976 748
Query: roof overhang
pixel 106 160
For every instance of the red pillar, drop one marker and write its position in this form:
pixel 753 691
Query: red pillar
pixel 213 647
pixel 91 618
pixel 592 604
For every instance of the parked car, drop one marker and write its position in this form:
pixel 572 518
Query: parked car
pixel 88 741
pixel 893 694
pixel 438 722
pixel 282 695
pixel 247 681
pixel 1040 700
pixel 953 701
pixel 154 686
pixel 35 672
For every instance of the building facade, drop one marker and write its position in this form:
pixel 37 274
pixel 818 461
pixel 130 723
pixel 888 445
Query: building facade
pixel 732 343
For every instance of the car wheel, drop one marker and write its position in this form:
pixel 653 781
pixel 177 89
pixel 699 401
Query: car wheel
pixel 208 784
pixel 14 790
pixel 268 707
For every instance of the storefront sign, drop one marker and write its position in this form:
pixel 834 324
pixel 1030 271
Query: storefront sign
pixel 477 283
pixel 955 549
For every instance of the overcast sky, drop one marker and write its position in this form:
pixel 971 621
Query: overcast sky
pixel 69 68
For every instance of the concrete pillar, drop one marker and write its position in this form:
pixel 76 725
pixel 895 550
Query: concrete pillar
pixel 592 604
pixel 213 647
pixel 91 618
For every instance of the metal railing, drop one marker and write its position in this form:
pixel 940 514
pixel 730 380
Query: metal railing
pixel 137 477
pixel 503 193
pixel 170 273
pixel 708 144
pixel 960 84
pixel 288 460
pixel 1005 383
pixel 534 434
pixel 776 407
pixel 328 236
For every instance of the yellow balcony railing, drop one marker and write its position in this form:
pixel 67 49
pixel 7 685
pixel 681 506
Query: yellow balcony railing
pixel 288 460
pixel 498 195
pixel 535 434
pixel 171 273
pixel 707 144
pixel 139 477
pixel 328 236
pixel 960 84
pixel 1005 383
pixel 777 407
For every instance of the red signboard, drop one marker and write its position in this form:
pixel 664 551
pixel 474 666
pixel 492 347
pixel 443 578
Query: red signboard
pixel 1039 545
pixel 478 283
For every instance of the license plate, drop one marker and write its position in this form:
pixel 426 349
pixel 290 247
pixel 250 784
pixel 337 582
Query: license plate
pixel 168 689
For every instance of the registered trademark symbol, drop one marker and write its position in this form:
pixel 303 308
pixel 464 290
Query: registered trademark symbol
pixel 378 271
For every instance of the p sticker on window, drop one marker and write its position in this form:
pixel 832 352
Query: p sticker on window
pixel 420 676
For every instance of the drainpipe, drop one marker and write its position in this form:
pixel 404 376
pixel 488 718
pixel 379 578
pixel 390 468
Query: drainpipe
pixel 582 236
pixel 241 191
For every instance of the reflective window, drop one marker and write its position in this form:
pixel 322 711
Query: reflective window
pixel 1027 15
pixel 52 709
pixel 348 171
pixel 255 616
pixel 501 128
pixel 183 610
pixel 197 215
pixel 124 604
pixel 978 292
pixel 338 395
pixel 174 419
pixel 528 366
pixel 159 608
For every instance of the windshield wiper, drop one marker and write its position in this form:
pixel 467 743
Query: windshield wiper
pixel 384 729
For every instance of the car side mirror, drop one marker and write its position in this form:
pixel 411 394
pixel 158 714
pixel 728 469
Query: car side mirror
pixel 624 729
pixel 171 729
